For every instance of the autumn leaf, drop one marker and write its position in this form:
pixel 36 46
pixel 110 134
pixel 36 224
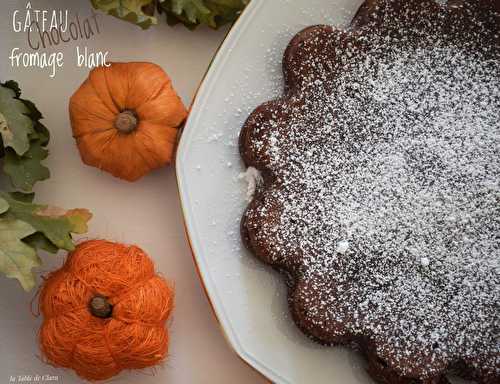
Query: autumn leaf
pixel 56 224
pixel 213 13
pixel 24 197
pixel 23 138
pixel 4 206
pixel 79 218
pixel 15 124
pixel 25 227
pixel 194 10
pixel 38 241
pixel 129 10
pixel 24 171
pixel 191 13
pixel 17 259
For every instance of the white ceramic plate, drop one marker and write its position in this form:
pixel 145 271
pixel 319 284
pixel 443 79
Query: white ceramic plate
pixel 249 299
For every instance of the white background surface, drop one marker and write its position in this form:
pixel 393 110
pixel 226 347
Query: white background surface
pixel 146 213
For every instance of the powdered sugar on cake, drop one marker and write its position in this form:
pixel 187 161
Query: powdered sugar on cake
pixel 387 184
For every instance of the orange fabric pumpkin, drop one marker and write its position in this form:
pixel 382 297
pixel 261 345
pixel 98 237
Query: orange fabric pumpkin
pixel 105 311
pixel 125 119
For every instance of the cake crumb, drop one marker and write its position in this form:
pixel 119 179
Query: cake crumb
pixel 253 178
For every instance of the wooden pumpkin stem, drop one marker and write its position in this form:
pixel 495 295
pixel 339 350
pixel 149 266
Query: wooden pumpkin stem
pixel 100 307
pixel 126 121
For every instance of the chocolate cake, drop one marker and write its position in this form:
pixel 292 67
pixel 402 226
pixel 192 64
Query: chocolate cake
pixel 380 199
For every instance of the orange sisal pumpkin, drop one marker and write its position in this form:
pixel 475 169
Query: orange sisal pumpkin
pixel 104 311
pixel 125 119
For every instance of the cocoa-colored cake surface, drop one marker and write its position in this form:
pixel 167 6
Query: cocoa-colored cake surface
pixel 381 199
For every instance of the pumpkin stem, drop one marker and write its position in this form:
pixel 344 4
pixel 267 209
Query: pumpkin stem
pixel 100 307
pixel 126 121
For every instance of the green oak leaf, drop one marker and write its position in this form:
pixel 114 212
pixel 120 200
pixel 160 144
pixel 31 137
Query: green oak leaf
pixel 130 10
pixel 39 241
pixel 191 13
pixel 4 206
pixel 14 86
pixel 17 258
pixel 26 227
pixel 24 171
pixel 194 10
pixel 41 134
pixel 213 13
pixel 56 224
pixel 24 197
pixel 15 124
